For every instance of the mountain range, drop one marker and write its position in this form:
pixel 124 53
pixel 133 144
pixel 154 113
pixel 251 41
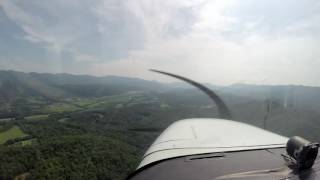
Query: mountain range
pixel 285 109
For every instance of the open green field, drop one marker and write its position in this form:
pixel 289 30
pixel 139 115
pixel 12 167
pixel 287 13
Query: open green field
pixel 83 102
pixel 76 104
pixel 59 107
pixel 63 120
pixel 37 117
pixel 109 100
pixel 23 143
pixel 11 133
pixel 5 119
pixel 27 142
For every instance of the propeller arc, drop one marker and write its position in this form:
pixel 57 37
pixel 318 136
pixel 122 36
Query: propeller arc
pixel 223 110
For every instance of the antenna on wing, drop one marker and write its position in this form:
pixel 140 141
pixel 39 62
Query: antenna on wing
pixel 223 110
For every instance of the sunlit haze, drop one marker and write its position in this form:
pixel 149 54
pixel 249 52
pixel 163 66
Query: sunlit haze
pixel 219 41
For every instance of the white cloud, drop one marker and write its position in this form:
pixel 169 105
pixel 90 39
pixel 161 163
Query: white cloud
pixel 82 26
pixel 219 41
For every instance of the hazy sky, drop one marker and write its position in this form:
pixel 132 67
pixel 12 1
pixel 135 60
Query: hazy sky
pixel 216 41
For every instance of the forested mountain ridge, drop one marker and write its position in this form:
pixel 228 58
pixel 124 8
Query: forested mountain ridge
pixel 65 85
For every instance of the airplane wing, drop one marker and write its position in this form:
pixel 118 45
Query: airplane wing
pixel 199 136
pixel 208 149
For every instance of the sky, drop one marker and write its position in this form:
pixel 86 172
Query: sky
pixel 215 41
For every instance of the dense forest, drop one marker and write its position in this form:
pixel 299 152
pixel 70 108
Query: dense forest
pixel 61 126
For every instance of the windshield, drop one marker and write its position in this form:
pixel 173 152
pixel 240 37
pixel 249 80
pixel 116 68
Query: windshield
pixel 77 99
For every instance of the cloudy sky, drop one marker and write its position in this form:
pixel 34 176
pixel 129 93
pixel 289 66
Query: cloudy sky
pixel 215 41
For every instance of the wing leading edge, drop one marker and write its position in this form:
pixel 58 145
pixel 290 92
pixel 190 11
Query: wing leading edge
pixel 201 135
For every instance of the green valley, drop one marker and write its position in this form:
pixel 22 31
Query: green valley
pixel 99 129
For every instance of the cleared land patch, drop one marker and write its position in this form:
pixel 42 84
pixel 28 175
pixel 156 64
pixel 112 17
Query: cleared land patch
pixel 37 117
pixel 59 107
pixel 12 133
pixel 6 119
